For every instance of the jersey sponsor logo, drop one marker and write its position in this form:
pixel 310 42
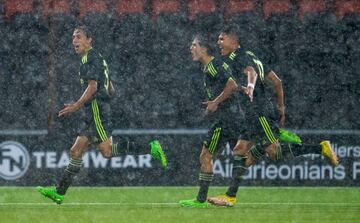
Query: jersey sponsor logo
pixel 225 66
pixel 14 160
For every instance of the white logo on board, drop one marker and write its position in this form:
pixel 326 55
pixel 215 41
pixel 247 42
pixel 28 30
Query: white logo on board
pixel 14 160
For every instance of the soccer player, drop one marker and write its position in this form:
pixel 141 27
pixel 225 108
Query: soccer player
pixel 262 133
pixel 222 110
pixel 95 127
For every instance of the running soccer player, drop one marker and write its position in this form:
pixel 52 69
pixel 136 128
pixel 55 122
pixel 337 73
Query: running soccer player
pixel 222 110
pixel 98 90
pixel 262 133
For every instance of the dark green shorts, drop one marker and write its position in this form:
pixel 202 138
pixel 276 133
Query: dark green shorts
pixel 96 125
pixel 261 129
pixel 220 133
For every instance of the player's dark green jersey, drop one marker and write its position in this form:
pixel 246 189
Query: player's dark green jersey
pixel 94 67
pixel 238 61
pixel 217 73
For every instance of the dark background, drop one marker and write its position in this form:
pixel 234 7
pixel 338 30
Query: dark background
pixel 312 45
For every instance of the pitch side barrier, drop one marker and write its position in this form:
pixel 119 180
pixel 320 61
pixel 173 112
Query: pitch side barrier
pixel 33 157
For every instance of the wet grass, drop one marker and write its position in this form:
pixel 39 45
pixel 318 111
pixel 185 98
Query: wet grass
pixel 160 204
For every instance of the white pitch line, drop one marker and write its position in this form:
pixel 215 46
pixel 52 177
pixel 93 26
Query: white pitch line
pixel 172 204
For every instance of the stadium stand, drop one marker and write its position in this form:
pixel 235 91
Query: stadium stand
pixel 196 7
pixel 309 43
pixel 13 7
pixel 165 7
pixel 247 16
pixel 347 7
pixel 51 7
pixel 123 7
pixel 87 7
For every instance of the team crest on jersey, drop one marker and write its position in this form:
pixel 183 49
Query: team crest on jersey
pixel 232 56
pixel 225 66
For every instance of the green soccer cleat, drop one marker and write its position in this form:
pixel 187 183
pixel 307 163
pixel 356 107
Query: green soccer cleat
pixel 289 137
pixel 157 152
pixel 50 192
pixel 194 203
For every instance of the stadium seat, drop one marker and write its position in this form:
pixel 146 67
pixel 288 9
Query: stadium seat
pixel 5 52
pixel 13 7
pixel 308 7
pixel 124 7
pixel 346 7
pixel 196 7
pixel 348 14
pixel 277 14
pixel 102 26
pixel 63 26
pixel 91 6
pixel 205 17
pixel 320 27
pixel 271 7
pixel 233 7
pixel 245 14
pixel 171 33
pixel 56 7
pixel 130 61
pixel 322 32
pixel 30 34
pixel 170 45
pixel 165 7
pixel 282 29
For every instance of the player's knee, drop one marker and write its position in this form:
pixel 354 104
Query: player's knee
pixel 274 152
pixel 76 152
pixel 241 149
pixel 105 151
pixel 205 157
pixel 250 160
pixel 106 154
pixel 272 157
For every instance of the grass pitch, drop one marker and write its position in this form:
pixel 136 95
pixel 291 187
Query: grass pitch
pixel 159 204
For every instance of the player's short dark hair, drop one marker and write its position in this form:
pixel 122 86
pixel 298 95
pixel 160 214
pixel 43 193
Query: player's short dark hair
pixel 85 30
pixel 204 41
pixel 231 30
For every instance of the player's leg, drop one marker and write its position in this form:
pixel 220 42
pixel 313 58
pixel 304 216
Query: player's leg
pixel 247 152
pixel 244 155
pixel 108 148
pixel 206 174
pixel 205 178
pixel 324 148
pixel 125 147
pixel 209 148
pixel 76 152
pixel 292 146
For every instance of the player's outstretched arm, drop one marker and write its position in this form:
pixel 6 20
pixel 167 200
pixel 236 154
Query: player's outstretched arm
pixel 251 77
pixel 85 97
pixel 279 91
pixel 229 89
